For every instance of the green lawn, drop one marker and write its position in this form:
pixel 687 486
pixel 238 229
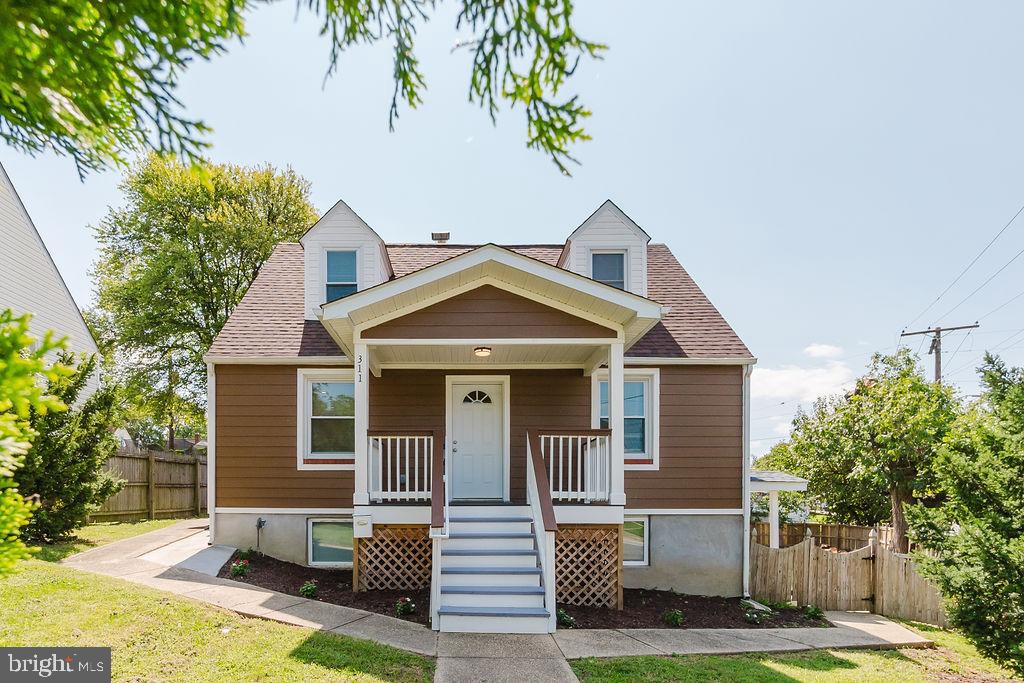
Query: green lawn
pixel 157 636
pixel 99 534
pixel 953 659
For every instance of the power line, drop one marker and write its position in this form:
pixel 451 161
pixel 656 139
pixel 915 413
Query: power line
pixel 982 285
pixel 958 346
pixel 1002 305
pixel 1000 346
pixel 936 346
pixel 968 267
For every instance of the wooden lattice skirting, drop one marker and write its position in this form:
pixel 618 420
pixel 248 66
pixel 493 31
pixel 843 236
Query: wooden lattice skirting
pixel 588 565
pixel 397 557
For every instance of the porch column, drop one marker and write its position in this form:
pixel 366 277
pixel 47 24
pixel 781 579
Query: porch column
pixel 361 369
pixel 773 518
pixel 616 423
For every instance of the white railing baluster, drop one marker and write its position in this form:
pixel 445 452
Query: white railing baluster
pixel 401 466
pixel 583 470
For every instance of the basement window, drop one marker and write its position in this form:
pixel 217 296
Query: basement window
pixel 635 541
pixel 330 542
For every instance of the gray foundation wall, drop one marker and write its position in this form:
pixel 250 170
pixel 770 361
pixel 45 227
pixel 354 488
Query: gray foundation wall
pixel 692 554
pixel 283 537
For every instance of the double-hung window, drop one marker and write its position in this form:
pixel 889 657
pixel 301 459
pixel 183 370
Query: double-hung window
pixel 609 267
pixel 341 274
pixel 640 405
pixel 326 419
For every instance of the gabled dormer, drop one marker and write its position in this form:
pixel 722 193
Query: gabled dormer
pixel 611 248
pixel 343 255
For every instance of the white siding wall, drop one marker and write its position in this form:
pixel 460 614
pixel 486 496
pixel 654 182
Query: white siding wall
pixel 29 281
pixel 606 230
pixel 340 228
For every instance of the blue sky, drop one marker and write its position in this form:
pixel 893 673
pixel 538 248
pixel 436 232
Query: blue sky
pixel 823 170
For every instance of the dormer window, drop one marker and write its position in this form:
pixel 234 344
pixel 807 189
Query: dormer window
pixel 341 274
pixel 609 267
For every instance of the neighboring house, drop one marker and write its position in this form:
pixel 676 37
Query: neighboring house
pixel 30 281
pixel 511 425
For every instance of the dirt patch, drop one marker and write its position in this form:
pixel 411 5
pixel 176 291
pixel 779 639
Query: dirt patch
pixel 333 586
pixel 644 609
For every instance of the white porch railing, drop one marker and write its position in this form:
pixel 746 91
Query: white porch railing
pixel 400 465
pixel 578 464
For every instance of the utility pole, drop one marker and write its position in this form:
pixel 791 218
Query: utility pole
pixel 936 345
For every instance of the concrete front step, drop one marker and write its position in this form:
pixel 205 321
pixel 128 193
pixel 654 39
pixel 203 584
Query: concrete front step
pixel 494 619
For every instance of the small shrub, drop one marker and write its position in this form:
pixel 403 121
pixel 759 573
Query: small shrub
pixel 245 554
pixel 780 606
pixel 239 567
pixel 672 617
pixel 814 612
pixel 308 589
pixel 565 620
pixel 755 616
pixel 405 606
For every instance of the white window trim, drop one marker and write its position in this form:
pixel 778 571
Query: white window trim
pixel 625 251
pixel 304 409
pixel 323 269
pixel 647 541
pixel 653 377
pixel 309 543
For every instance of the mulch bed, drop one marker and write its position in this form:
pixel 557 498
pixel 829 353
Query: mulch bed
pixel 644 609
pixel 333 586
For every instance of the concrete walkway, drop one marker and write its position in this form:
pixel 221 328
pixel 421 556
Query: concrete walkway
pixel 177 559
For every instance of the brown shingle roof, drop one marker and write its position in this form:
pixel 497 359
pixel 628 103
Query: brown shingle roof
pixel 270 319
pixel 269 322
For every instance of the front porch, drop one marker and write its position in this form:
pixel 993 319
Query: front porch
pixel 474 415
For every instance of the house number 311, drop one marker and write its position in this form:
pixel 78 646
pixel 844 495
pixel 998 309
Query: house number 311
pixel 359 368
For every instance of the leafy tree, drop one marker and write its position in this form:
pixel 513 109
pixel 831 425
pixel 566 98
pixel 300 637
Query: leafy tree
pixel 173 263
pixel 876 443
pixel 65 468
pixel 976 537
pixel 22 361
pixel 94 79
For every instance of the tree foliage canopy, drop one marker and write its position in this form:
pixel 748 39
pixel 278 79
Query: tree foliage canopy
pixel 176 259
pixel 22 362
pixel 977 535
pixel 97 80
pixel 65 468
pixel 872 448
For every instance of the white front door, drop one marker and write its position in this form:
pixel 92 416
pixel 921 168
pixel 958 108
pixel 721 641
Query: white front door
pixel 477 441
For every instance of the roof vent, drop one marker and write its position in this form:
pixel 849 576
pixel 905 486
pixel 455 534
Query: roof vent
pixel 440 237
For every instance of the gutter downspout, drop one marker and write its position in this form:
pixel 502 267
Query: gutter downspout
pixel 747 370
pixel 211 448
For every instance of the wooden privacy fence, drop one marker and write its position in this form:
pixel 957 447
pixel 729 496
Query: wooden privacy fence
pixel 873 578
pixel 845 537
pixel 157 485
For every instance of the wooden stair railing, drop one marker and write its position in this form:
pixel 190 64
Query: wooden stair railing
pixel 547 508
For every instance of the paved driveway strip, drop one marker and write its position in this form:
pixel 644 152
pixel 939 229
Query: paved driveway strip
pixel 168 559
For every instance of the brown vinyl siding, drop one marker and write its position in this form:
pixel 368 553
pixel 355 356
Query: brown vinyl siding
pixel 255 444
pixel 490 312
pixel 701 445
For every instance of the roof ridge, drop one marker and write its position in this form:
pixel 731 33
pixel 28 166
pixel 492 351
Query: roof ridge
pixel 464 245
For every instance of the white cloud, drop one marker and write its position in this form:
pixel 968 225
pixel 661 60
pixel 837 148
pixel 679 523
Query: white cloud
pixel 823 351
pixel 790 382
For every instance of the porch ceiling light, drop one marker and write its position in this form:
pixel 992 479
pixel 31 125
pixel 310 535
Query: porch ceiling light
pixel 482 351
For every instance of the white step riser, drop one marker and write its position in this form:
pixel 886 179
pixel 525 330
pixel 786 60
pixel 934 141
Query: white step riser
pixel 489 511
pixel 488 560
pixel 484 543
pixel 521 527
pixel 490 579
pixel 463 624
pixel 493 600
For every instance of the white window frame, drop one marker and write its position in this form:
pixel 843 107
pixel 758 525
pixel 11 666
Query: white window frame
pixel 646 519
pixel 625 265
pixel 323 262
pixel 652 376
pixel 304 404
pixel 309 542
